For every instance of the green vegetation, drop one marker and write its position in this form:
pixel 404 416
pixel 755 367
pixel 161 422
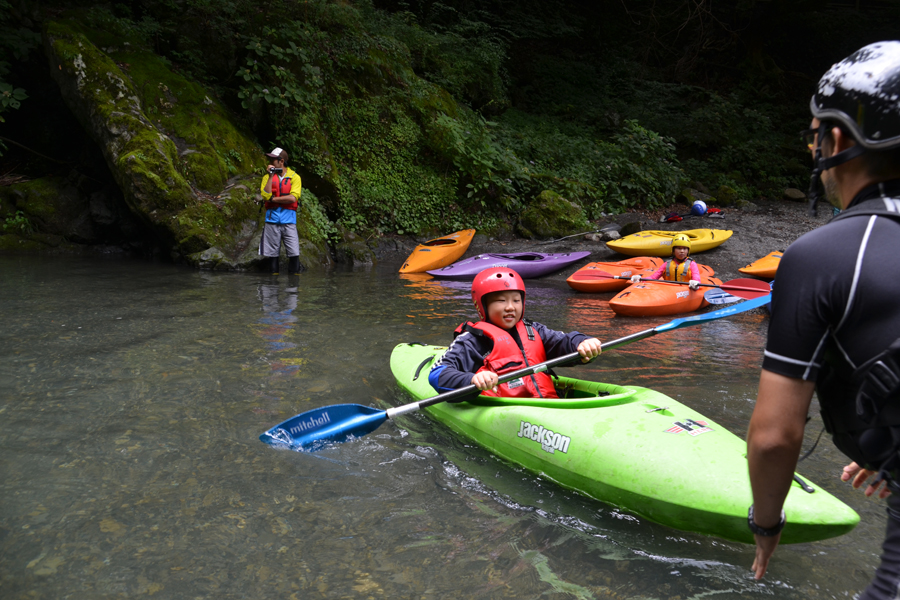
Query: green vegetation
pixel 372 116
pixel 17 223
pixel 418 116
pixel 15 42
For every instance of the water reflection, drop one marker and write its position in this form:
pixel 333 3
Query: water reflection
pixel 431 295
pixel 278 304
pixel 132 395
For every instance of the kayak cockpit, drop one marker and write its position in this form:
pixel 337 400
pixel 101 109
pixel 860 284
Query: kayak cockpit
pixel 573 393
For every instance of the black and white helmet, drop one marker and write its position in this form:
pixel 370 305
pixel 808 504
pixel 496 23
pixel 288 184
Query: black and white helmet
pixel 862 94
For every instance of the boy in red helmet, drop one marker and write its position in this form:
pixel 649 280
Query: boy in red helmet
pixel 503 341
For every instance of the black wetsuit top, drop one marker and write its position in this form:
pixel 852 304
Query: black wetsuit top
pixel 835 305
pixel 837 289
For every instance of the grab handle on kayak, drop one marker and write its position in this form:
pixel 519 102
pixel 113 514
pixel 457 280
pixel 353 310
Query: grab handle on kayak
pixel 806 487
pixel 424 362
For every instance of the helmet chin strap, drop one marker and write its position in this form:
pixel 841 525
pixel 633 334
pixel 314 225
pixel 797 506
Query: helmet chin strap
pixel 823 164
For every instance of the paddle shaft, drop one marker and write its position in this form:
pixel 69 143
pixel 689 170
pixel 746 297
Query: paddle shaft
pixel 724 286
pixel 354 420
pixel 524 372
pixel 471 389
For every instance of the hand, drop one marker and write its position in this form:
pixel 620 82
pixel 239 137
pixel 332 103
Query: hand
pixel 859 476
pixel 635 279
pixel 589 349
pixel 486 381
pixel 765 547
pixel 694 285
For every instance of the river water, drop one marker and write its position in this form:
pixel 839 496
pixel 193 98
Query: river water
pixel 132 396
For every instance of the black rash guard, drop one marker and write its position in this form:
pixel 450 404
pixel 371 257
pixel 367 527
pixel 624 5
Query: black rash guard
pixel 837 290
pixel 835 305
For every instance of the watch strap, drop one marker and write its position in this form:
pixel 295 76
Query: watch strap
pixel 764 531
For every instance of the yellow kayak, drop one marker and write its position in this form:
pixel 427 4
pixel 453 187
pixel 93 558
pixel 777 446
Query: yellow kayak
pixel 765 267
pixel 659 243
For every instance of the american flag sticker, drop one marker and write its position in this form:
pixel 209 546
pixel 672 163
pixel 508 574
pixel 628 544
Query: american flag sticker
pixel 692 426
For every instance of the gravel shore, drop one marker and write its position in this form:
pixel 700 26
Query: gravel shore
pixel 769 225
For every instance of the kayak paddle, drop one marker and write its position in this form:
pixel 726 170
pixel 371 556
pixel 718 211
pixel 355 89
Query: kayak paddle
pixel 339 422
pixel 743 288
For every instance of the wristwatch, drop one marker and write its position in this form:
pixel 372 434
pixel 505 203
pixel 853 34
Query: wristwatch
pixel 764 531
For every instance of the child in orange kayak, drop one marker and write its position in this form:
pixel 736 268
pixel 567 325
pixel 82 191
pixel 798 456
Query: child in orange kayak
pixel 503 341
pixel 678 268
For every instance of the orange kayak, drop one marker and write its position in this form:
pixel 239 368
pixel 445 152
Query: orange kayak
pixel 439 252
pixel 765 267
pixel 659 298
pixel 593 277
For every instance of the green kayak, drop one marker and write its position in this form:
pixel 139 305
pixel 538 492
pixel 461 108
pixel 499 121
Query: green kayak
pixel 630 447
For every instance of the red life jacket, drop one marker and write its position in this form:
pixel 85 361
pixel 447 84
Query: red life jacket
pixel 506 356
pixel 678 272
pixel 281 186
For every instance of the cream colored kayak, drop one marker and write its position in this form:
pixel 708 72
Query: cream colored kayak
pixel 659 243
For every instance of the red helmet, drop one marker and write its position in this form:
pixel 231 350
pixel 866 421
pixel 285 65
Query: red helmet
pixel 495 279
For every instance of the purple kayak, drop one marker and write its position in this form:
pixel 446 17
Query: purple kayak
pixel 526 264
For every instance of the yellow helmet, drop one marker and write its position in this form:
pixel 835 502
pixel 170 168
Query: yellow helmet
pixel 681 240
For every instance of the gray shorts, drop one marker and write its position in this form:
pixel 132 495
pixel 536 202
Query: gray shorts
pixel 274 234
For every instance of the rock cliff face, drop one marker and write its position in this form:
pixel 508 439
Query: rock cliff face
pixel 186 171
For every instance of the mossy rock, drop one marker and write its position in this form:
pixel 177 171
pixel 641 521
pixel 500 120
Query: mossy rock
pixel 143 161
pixel 352 249
pixel 7 203
pixel 726 196
pixel 173 150
pixel 53 206
pixel 551 216
pixel 500 230
pixel 38 243
pixel 691 195
pixel 13 243
pixel 237 244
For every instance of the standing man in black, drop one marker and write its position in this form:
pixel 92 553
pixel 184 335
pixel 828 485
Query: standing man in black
pixel 835 310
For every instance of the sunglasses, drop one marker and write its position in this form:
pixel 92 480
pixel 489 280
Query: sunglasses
pixel 809 136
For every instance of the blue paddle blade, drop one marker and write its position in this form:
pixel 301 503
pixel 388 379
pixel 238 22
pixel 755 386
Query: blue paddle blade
pixel 717 296
pixel 716 314
pixel 313 429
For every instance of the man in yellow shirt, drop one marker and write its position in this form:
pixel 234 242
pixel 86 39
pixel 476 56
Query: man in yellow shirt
pixel 280 189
